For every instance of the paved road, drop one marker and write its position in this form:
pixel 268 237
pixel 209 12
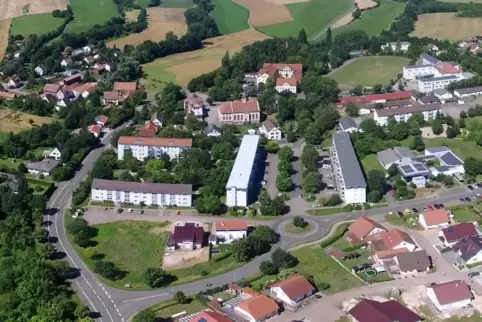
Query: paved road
pixel 118 305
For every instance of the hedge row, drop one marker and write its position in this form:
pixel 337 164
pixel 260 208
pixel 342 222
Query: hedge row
pixel 339 232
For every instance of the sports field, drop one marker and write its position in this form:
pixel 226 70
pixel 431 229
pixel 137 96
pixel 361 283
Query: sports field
pixel 368 71
pixel 91 12
pixel 38 24
pixel 230 16
pixel 375 20
pixel 446 25
pixel 314 16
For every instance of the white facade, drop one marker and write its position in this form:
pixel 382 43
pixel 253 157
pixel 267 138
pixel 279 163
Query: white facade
pixel 228 236
pixel 281 295
pixel 404 116
pixel 404 45
pixel 431 84
pixel 40 71
pixel 273 134
pixel 444 96
pixel 285 86
pixel 423 223
pixel 416 71
pixel 39 172
pixel 409 246
pixel 53 154
pixel 458 93
pixel 140 152
pixel 263 78
pixel 446 307
pixel 136 198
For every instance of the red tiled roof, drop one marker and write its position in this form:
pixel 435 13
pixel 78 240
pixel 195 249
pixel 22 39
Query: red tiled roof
pixel 259 306
pixel 112 96
pixel 87 87
pixel 94 128
pixel 250 106
pixel 125 86
pixel 451 292
pixel 280 81
pixel 436 217
pixel 395 237
pixel 457 232
pixel 207 316
pixel 72 79
pixel 214 304
pixel 389 311
pixel 446 68
pixel 249 291
pixel 363 226
pixel 133 140
pixel 52 88
pixel 376 97
pixel 146 132
pixel 150 125
pixel 101 118
pixel 7 95
pixel 295 286
pixel 231 225
pixel 272 69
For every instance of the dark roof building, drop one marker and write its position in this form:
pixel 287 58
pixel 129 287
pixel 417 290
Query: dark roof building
pixel 413 261
pixel 468 247
pixel 458 232
pixel 350 168
pixel 389 311
pixel 188 233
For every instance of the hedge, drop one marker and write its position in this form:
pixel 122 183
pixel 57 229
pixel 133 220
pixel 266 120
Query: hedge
pixel 221 256
pixel 339 232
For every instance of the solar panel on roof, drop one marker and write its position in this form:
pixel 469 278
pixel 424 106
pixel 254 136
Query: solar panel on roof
pixel 407 169
pixel 450 159
pixel 419 167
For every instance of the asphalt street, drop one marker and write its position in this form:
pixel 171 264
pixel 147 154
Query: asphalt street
pixel 118 305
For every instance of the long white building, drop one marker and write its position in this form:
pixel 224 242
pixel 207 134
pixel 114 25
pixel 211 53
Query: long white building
pixel 348 171
pixel 469 91
pixel 402 114
pixel 242 174
pixel 142 147
pixel 155 194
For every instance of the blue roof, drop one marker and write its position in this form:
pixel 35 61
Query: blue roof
pixel 430 59
pixel 241 172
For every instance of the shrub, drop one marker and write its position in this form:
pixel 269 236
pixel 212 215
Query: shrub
pixel 340 231
pixel 299 222
pixel 323 286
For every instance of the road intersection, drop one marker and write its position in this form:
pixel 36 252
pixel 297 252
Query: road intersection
pixel 119 305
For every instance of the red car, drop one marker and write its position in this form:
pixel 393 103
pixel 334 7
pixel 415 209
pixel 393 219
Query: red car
pixel 430 207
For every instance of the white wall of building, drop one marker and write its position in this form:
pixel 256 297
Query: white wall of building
pixel 137 197
pixel 236 197
pixel 456 93
pixel 447 307
pixel 228 236
pixel 426 86
pixel 412 72
pixel 140 152
pixel 355 196
pixel 285 87
pixel 383 120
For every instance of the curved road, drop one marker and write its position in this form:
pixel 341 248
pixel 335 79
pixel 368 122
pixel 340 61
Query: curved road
pixel 118 305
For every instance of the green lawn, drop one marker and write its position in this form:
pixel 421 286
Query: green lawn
pixel 12 163
pixel 38 24
pixel 407 221
pixel 316 262
pixel 292 229
pixel 175 3
pixel 375 20
pixel 168 308
pixel 230 16
pixel 314 16
pixel 341 243
pixel 89 13
pixel 370 162
pixel 465 213
pixel 3 136
pixel 463 149
pixel 368 71
pixel 327 211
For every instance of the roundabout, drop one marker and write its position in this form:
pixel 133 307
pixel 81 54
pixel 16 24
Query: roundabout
pixel 288 229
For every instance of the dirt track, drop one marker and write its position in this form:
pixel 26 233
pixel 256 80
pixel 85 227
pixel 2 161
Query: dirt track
pixel 265 13
pixel 4 28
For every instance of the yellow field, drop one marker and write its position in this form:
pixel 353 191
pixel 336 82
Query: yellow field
pixel 17 8
pixel 447 25
pixel 4 28
pixel 12 121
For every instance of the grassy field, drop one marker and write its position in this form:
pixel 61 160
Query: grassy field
pixel 12 163
pixel 465 214
pixel 368 71
pixel 313 16
pixel 3 137
pixel 90 12
pixel 370 162
pixel 446 26
pixel 14 121
pixel 35 24
pixel 326 211
pixel 230 16
pixel 375 20
pixel 167 309
pixel 316 262
pixel 174 3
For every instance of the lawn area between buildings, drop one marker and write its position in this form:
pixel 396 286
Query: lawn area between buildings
pixel 370 162
pixel 375 20
pixel 230 16
pixel 314 16
pixel 407 221
pixel 167 309
pixel 465 213
pixel 368 71
pixel 462 148
pixel 12 163
pixel 38 24
pixel 88 13
pixel 327 211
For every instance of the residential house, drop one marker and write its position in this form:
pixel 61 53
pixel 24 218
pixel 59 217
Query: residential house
pixel 412 262
pixel 209 316
pixel 14 81
pixel 229 231
pixel 88 49
pixel 455 233
pixel 112 97
pixel 125 89
pixel 66 62
pixel 364 229
pixel 187 237
pixel 292 290
pixel 61 103
pixel 433 48
pixel 73 79
pixel 451 295
pixel 257 309
pixel 395 155
pixel 194 105
pixel 443 95
pixel 8 96
pixel 52 154
pixel 396 46
pixel 469 249
pixel 287 76
pixel 52 89
pixel 286 85
pixel 397 239
pixel 402 114
pixel 95 130
pixel 66 93
pixel 41 70
pixel 89 60
pixel 239 112
pixel 389 245
pixel 101 120
pixel 85 90
pixel 44 167
pixel 389 311
pixel 269 129
pixel 437 218
pixel 349 125
pixel 213 130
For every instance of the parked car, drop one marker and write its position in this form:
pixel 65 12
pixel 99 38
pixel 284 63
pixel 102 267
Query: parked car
pixel 468 199
pixel 424 208
pixel 441 205
pixel 415 210
pixel 430 207
pixel 478 195
pixel 462 200
pixel 400 213
pixel 470 187
pixel 436 206
pixel 473 274
pixel 120 210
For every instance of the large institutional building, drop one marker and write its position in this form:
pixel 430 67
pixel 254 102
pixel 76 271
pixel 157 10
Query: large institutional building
pixel 348 172
pixel 149 194
pixel 242 174
pixel 142 147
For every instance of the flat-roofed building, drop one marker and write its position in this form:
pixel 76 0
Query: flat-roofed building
pixel 470 91
pixel 142 147
pixel 156 194
pixel 238 192
pixel 348 171
pixel 402 114
pixel 429 84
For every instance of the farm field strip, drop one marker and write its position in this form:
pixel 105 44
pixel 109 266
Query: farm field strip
pixel 258 12
pixel 4 29
pixel 17 8
pixel 12 121
pixel 446 25
pixel 230 16
pixel 89 13
pixel 37 24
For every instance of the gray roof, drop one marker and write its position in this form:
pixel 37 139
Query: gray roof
pixel 395 154
pixel 414 169
pixel 46 165
pixel 350 168
pixel 114 185
pixel 434 79
pixel 468 75
pixel 450 158
pixel 429 99
pixel 346 123
pixel 212 127
pixel 410 261
pixel 469 90
pixel 442 168
pixel 437 149
pixel 469 247
pixel 423 158
pixel 441 91
pixel 409 109
pixel 396 103
pixel 268 124
pixel 417 66
pixel 241 172
pixel 429 58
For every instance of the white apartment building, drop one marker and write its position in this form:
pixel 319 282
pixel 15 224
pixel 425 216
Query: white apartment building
pixel 429 84
pixel 143 147
pixel 467 92
pixel 393 45
pixel 242 175
pixel 416 71
pixel 155 194
pixel 402 114
pixel 348 172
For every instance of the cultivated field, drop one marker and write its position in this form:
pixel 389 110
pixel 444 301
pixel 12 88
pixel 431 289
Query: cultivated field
pixel 375 20
pixel 4 28
pixel 365 4
pixel 38 24
pixel 314 16
pixel 91 12
pixel 230 16
pixel 11 121
pixel 161 21
pixel 17 8
pixel 368 71
pixel 446 26
pixel 265 13
pixel 181 68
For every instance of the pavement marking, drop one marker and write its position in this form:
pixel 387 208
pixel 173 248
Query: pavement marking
pixel 144 298
pixel 88 299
